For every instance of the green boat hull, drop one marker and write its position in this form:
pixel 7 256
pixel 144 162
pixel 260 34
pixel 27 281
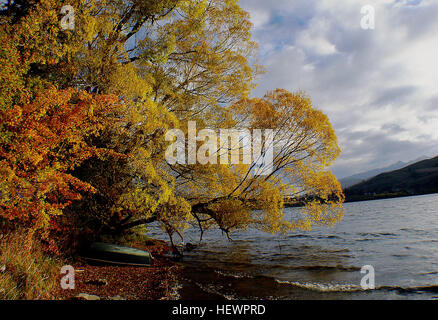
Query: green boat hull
pixel 115 254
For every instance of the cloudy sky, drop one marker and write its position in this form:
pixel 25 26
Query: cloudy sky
pixel 379 87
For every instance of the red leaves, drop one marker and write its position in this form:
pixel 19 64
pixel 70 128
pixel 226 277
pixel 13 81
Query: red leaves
pixel 44 140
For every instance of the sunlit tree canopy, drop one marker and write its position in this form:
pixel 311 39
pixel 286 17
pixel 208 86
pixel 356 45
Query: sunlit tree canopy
pixel 84 114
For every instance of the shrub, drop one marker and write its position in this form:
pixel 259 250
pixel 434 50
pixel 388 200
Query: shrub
pixel 26 273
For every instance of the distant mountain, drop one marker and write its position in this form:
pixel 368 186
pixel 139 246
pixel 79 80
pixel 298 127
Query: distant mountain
pixel 418 178
pixel 359 177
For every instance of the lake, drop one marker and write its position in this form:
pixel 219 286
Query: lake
pixel 398 237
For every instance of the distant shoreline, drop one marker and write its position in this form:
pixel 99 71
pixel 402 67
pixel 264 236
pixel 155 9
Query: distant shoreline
pixel 384 196
pixel 359 198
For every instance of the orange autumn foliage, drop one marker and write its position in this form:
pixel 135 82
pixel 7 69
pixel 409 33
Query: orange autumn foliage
pixel 48 138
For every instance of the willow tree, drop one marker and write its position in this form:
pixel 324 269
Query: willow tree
pixel 304 145
pixel 169 61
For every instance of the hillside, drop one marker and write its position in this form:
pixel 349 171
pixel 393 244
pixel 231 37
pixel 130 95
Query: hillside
pixel 349 181
pixel 418 178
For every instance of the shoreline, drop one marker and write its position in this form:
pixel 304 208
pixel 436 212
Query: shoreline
pixel 158 281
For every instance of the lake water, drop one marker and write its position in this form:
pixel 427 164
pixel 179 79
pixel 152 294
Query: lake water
pixel 398 237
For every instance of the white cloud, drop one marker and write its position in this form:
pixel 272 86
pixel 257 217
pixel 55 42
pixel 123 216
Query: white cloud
pixel 259 18
pixel 314 38
pixel 378 87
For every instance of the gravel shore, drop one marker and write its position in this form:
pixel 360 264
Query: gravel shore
pixel 159 281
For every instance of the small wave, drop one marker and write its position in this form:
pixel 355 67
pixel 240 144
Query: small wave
pixel 376 234
pixel 411 230
pixel 323 267
pixel 386 234
pixel 363 239
pixel 366 236
pixel 340 250
pixel 431 289
pixel 430 240
pixel 210 288
pixel 233 275
pixel 330 287
pixel 300 236
pixel 329 237
pixel 323 287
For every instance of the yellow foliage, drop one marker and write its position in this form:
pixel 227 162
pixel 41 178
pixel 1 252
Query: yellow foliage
pixel 129 72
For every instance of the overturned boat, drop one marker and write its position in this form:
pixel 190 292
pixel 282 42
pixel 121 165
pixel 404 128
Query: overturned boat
pixel 107 253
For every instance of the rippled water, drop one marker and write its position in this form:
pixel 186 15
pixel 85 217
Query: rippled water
pixel 398 237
